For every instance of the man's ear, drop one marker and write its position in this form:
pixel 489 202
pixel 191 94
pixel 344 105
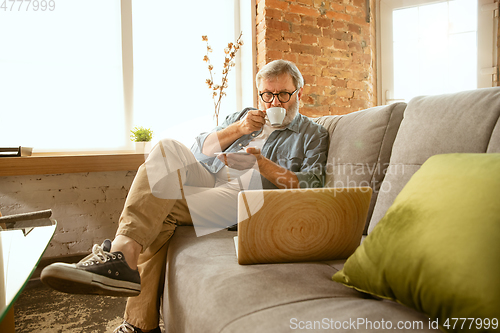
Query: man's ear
pixel 299 94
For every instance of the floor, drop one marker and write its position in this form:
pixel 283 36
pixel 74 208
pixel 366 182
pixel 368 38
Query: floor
pixel 41 309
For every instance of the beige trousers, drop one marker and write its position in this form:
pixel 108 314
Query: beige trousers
pixel 170 188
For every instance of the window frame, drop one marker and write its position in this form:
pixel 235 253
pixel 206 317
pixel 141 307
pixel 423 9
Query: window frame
pixel 487 52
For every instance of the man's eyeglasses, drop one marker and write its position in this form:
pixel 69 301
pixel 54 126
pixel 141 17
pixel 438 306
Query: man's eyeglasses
pixel 283 96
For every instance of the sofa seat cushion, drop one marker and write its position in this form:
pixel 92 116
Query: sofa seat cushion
pixel 333 315
pixel 207 291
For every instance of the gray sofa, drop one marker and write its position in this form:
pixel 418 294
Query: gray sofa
pixel 207 291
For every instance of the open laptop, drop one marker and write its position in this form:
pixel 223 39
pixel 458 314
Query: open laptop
pixel 296 225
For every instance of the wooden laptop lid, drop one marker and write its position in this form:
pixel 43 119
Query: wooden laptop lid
pixel 298 225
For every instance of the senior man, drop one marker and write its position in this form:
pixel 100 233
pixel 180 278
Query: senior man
pixel 200 186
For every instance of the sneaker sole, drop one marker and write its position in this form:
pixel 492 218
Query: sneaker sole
pixel 74 281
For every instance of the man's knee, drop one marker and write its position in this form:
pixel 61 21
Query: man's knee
pixel 168 143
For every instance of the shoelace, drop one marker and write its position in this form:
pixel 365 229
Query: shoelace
pixel 98 255
pixel 124 328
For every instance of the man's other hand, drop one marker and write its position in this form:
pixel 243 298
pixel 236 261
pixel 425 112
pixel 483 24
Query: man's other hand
pixel 238 161
pixel 255 152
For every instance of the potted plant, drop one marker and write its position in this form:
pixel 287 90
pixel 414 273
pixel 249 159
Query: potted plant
pixel 142 138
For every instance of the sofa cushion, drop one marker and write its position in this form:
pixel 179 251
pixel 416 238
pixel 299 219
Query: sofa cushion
pixel 438 247
pixel 207 291
pixel 465 122
pixel 360 147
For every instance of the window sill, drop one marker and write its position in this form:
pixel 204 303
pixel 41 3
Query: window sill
pixel 54 164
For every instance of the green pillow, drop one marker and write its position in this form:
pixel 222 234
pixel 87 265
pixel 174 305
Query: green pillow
pixel 437 249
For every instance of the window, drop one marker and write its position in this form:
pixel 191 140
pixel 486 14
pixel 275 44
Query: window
pixel 170 93
pixel 61 76
pixel 80 76
pixel 434 47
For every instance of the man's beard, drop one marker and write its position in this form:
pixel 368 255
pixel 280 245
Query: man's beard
pixel 291 112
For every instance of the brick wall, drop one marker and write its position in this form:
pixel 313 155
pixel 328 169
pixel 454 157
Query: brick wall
pixel 87 206
pixel 332 44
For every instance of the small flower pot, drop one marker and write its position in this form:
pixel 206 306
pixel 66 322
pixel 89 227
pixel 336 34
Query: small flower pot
pixel 142 147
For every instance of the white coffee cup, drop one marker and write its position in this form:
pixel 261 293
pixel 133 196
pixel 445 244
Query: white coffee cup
pixel 276 115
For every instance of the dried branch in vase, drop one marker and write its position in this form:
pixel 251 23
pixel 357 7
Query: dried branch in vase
pixel 218 89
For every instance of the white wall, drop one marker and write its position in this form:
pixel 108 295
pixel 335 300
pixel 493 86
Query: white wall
pixel 87 206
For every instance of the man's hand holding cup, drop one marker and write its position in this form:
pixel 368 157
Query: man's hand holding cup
pixel 253 121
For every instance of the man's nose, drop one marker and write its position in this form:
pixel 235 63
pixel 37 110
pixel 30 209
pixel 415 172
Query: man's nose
pixel 276 101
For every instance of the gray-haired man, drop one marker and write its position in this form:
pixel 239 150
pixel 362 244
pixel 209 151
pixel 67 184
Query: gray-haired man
pixel 180 186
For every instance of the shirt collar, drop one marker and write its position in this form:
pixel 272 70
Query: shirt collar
pixel 295 124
